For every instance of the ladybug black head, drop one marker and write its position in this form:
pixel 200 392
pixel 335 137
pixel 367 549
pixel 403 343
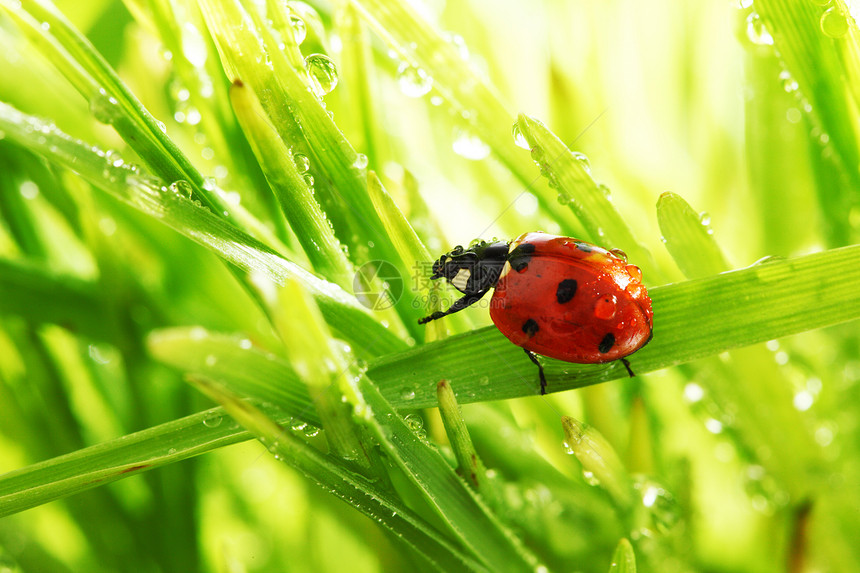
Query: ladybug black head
pixel 472 270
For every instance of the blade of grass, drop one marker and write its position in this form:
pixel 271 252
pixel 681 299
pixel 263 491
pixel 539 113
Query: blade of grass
pixel 697 318
pixel 297 201
pixel 688 239
pixel 419 44
pixel 827 71
pixel 475 525
pixel 570 175
pixel 692 319
pixel 112 102
pixel 304 125
pixel 40 295
pixel 198 224
pixel 334 476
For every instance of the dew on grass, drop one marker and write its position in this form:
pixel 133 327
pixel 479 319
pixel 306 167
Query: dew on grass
pixel 302 162
pixel 757 33
pixel 104 107
pixel 467 144
pixel 300 30
pixel 413 81
pixel 182 188
pixel 519 138
pixel 322 73
pixel 834 23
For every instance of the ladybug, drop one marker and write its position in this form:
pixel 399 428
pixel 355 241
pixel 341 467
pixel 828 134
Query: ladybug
pixel 555 296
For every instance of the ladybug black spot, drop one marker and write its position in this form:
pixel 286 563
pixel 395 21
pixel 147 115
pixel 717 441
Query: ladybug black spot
pixel 565 291
pixel 520 256
pixel 531 327
pixel 606 344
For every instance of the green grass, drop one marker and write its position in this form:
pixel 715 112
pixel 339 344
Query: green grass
pixel 216 224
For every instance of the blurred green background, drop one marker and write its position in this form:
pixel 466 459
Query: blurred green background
pixel 745 114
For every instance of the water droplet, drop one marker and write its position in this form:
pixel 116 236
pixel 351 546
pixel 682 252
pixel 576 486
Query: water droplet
pixel 302 162
pixel 693 393
pixel 182 188
pixel 789 84
pixel 583 160
pixel 744 4
pixel 803 400
pixel 483 381
pixel 300 30
pixel 834 23
pixel 28 190
pixel 407 394
pixel 756 31
pixel 360 161
pixel 213 420
pixel 413 81
pixel 589 477
pixel 714 426
pixel 519 139
pixel 104 107
pixel 467 144
pixel 322 73
pixel 604 308
pixel 605 190
pixel 310 431
pixel 414 422
pixel 634 272
pixel 193 45
pixel 663 508
pixel 309 180
pixel 619 254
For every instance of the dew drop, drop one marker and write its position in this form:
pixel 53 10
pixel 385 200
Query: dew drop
pixel 322 73
pixel 834 23
pixel 104 107
pixel 693 392
pixel 302 162
pixel 407 394
pixel 756 31
pixel 662 507
pixel 619 254
pixel 414 422
pixel 413 81
pixel 28 190
pixel 311 431
pixel 789 84
pixel 590 478
pixel 583 161
pixel 213 420
pixel 300 30
pixel 519 138
pixel 360 161
pixel 605 307
pixel 182 188
pixel 309 180
pixel 467 144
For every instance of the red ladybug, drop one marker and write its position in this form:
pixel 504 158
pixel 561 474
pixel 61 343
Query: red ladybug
pixel 556 296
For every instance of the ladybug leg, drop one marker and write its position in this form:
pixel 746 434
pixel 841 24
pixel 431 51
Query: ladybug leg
pixel 458 305
pixel 534 359
pixel 626 364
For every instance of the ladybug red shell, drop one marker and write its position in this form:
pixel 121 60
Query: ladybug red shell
pixel 555 296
